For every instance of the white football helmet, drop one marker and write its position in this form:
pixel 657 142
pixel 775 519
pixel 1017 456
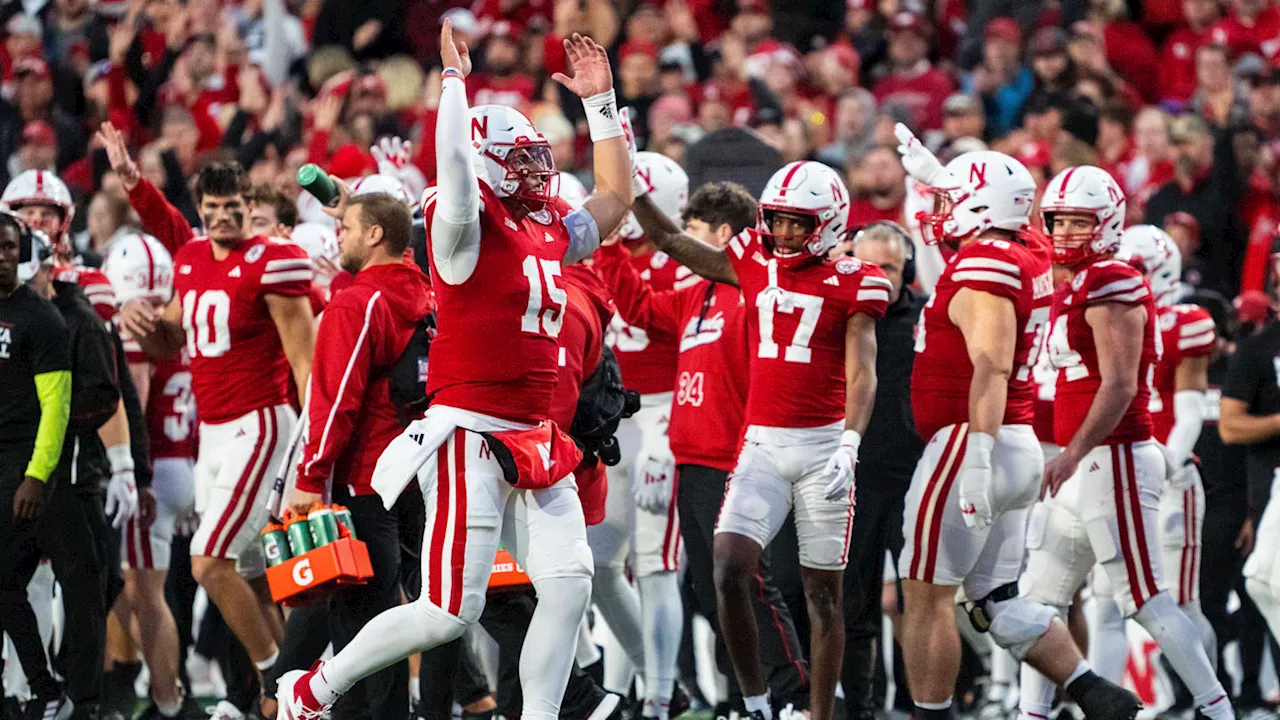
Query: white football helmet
pixel 320 241
pixel 668 186
pixel 139 266
pixel 1086 190
pixel 511 156
pixel 995 191
pixel 382 183
pixel 1161 260
pixel 37 187
pixel 572 190
pixel 808 188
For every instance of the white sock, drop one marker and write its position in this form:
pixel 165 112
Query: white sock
pixel 545 658
pixel 267 664
pixel 619 605
pixel 169 710
pixel 760 703
pixel 1081 668
pixel 663 613
pixel 934 706
pixel 1180 642
pixel 1004 669
pixel 1108 643
pixel 387 639
pixel 1035 700
pixel 1208 637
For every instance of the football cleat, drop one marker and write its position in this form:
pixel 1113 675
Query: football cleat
pixel 226 711
pixel 54 708
pixel 294 697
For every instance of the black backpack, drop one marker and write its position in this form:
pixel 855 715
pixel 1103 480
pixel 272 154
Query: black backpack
pixel 407 378
pixel 603 403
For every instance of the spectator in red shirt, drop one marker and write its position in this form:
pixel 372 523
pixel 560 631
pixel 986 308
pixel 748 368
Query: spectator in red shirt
pixel 912 79
pixel 502 81
pixel 1177 70
pixel 880 183
pixel 1252 26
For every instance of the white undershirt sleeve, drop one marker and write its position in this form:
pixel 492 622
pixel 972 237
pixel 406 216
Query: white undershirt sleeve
pixel 1188 420
pixel 455 227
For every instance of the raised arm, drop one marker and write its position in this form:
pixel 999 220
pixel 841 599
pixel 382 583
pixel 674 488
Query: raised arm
pixel 593 82
pixel 455 224
pixel 159 217
pixel 637 302
pixel 711 263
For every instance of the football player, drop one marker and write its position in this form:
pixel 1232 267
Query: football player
pixel 240 307
pixel 498 238
pixel 641 515
pixel 811 325
pixel 1177 416
pixel 1105 485
pixel 972 396
pixel 139 267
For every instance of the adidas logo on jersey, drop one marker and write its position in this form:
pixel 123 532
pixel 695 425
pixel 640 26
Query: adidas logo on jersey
pixel 548 238
pixel 235 272
pixel 1093 467
pixel 759 258
pixel 833 280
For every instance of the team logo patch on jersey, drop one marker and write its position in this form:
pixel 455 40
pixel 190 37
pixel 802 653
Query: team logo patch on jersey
pixel 659 260
pixel 1078 281
pixel 184 269
pixel 1167 321
pixel 254 253
pixel 512 224
pixel 848 266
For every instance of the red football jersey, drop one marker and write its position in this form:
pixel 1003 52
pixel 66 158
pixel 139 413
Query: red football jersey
pixel 1075 356
pixel 237 360
pixel 171 409
pixel 1176 75
pixel 496 350
pixel 648 357
pixel 798 310
pixel 711 367
pixel 1186 331
pixel 97 288
pixel 942 372
pixel 922 89
pixel 1262 36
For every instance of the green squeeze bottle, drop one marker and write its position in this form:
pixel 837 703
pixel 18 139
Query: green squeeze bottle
pixel 318 183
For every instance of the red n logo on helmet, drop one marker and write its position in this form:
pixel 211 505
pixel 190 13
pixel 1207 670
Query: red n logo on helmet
pixel 480 127
pixel 646 175
pixel 1114 194
pixel 978 176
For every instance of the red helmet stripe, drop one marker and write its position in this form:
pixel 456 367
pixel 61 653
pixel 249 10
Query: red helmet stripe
pixel 787 180
pixel 1062 191
pixel 151 264
pixel 39 183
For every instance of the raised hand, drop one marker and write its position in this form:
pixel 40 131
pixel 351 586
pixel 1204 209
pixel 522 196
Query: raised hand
pixel 118 154
pixel 591 72
pixel 391 154
pixel 454 55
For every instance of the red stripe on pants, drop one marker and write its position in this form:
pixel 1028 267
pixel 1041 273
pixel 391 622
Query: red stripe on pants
pixel 434 588
pixel 940 506
pixel 260 476
pixel 459 559
pixel 1141 532
pixel 917 553
pixel 210 549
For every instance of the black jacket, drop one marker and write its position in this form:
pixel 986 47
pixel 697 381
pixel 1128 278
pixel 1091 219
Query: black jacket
pixel 95 393
pixel 891 446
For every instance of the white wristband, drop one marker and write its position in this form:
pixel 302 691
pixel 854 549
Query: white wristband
pixel 980 445
pixel 602 116
pixel 851 438
pixel 121 458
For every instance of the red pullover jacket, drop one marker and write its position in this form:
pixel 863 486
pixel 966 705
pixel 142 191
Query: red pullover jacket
pixel 362 333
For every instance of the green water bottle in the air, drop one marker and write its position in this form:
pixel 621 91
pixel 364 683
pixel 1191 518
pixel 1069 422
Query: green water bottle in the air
pixel 317 182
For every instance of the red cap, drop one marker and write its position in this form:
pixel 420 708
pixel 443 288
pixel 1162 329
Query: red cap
pixel 1252 306
pixel 1184 220
pixel 31 66
pixel 637 47
pixel 39 132
pixel 906 22
pixel 350 161
pixel 1005 29
pixel 1035 154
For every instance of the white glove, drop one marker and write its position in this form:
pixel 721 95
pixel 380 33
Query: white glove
pixel 653 481
pixel 841 466
pixel 122 492
pixel 639 188
pixel 1179 475
pixel 394 157
pixel 920 163
pixel 976 481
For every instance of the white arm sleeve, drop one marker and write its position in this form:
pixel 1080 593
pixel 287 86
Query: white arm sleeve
pixel 455 227
pixel 584 236
pixel 1188 420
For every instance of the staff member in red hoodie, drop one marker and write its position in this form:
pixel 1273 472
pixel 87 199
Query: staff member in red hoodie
pixel 710 401
pixel 364 331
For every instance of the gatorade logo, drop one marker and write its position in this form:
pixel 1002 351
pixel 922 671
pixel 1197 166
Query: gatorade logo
pixel 302 575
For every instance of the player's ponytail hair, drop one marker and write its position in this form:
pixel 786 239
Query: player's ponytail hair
pixel 222 180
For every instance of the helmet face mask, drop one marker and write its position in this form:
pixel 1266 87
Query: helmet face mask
pixel 1160 258
pixel 808 240
pixel 40 189
pixel 1077 193
pixel 512 157
pixel 806 190
pixel 1072 248
pixel 994 192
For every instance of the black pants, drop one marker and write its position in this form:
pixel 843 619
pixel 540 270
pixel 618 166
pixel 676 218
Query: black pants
pixel 70 532
pixel 1224 514
pixel 700 494
pixel 877 520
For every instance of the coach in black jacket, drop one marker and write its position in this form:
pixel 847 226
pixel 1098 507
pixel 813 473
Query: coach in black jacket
pixel 891 449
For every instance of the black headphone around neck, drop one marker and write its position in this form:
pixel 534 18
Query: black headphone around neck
pixel 908 246
pixel 29 246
